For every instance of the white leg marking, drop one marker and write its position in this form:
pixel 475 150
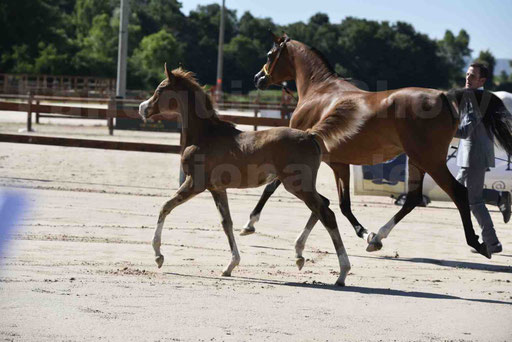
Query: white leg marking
pixel 249 226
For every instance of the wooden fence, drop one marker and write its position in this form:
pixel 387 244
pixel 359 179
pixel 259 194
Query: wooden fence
pixel 57 85
pixel 33 106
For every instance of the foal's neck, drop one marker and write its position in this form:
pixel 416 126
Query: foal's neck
pixel 198 121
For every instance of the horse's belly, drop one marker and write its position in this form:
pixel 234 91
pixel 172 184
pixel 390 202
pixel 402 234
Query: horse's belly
pixel 367 153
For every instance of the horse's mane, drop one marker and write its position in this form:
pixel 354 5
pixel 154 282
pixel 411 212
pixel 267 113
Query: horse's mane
pixel 190 80
pixel 324 60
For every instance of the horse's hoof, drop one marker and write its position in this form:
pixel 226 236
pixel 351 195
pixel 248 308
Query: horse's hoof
pixel 300 262
pixel 226 274
pixel 159 260
pixel 361 231
pixel 340 283
pixel 248 231
pixel 374 246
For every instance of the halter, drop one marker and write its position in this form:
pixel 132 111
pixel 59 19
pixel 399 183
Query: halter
pixel 274 62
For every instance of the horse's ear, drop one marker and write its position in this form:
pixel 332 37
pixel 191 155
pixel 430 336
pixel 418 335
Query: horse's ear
pixel 274 37
pixel 168 73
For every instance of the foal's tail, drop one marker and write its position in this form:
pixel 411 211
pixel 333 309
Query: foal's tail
pixel 340 124
pixel 496 118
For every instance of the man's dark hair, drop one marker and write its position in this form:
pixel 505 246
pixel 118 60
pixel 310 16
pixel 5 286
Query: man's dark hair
pixel 484 71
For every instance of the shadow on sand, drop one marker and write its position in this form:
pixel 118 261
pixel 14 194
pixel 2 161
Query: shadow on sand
pixel 356 289
pixel 449 263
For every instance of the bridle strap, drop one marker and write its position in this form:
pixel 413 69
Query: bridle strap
pixel 267 72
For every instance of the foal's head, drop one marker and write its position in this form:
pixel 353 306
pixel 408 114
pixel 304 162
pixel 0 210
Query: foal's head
pixel 278 67
pixel 174 94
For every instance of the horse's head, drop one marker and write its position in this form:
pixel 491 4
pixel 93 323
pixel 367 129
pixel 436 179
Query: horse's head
pixel 165 99
pixel 278 67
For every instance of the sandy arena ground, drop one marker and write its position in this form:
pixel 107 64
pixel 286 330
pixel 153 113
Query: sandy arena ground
pixel 80 266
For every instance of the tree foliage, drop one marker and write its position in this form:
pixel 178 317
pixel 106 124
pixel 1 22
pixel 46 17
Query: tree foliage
pixel 81 37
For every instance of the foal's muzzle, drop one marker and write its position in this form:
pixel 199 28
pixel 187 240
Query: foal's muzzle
pixel 261 80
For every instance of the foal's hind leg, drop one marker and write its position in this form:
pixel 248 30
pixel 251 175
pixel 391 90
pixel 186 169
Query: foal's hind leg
pixel 413 198
pixel 255 214
pixel 321 210
pixel 184 193
pixel 342 177
pixel 221 201
pixel 300 242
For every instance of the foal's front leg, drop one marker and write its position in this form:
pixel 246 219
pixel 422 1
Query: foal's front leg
pixel 221 201
pixel 184 193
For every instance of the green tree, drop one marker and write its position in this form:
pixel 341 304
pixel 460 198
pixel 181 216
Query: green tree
pixel 149 57
pixel 86 10
pixel 488 59
pixel 154 15
pixel 455 51
pixel 98 50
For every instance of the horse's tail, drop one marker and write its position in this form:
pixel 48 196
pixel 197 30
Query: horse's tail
pixel 341 123
pixel 448 100
pixel 496 118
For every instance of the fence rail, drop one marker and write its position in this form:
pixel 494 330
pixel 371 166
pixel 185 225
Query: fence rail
pixel 31 104
pixel 89 143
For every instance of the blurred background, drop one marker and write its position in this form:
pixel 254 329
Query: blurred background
pixel 421 44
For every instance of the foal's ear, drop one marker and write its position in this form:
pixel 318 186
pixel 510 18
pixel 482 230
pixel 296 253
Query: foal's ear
pixel 168 74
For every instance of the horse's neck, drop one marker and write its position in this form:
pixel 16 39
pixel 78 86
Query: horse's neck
pixel 306 80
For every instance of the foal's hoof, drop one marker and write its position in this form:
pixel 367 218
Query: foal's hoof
pixel 300 262
pixel 226 274
pixel 159 260
pixel 373 244
pixel 248 231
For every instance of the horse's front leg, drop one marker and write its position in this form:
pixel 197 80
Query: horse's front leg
pixel 221 201
pixel 184 193
pixel 342 177
pixel 413 198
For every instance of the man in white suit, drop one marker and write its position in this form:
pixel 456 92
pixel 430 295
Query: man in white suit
pixel 475 156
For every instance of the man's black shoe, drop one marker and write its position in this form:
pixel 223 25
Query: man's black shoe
pixel 504 205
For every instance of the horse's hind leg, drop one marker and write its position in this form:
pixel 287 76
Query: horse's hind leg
pixel 184 193
pixel 459 195
pixel 342 177
pixel 413 198
pixel 255 214
pixel 221 201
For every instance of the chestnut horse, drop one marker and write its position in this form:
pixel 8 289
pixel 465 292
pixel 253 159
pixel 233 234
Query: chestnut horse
pixel 366 128
pixel 217 156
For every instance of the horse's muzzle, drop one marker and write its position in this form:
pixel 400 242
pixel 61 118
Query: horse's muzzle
pixel 261 81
